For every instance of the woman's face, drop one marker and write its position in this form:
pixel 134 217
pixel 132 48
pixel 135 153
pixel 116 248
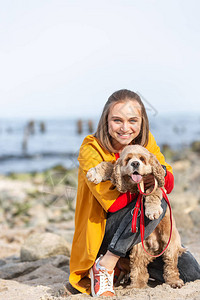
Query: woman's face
pixel 124 123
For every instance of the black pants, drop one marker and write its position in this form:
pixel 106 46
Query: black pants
pixel 119 239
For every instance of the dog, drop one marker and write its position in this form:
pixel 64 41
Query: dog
pixel 135 162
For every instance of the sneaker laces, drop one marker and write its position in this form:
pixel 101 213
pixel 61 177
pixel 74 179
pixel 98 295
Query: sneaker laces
pixel 106 280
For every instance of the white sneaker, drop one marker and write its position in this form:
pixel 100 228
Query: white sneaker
pixel 101 280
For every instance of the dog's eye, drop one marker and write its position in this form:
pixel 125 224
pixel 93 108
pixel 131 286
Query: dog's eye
pixel 128 157
pixel 127 160
pixel 142 159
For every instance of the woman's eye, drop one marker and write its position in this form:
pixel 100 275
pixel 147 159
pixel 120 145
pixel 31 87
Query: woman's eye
pixel 117 120
pixel 133 121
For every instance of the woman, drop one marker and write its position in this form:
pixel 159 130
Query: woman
pixel 103 215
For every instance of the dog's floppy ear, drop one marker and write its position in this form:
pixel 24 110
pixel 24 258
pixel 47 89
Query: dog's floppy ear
pixel 158 171
pixel 117 178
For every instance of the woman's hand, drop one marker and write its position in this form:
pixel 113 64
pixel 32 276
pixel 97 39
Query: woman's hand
pixel 149 181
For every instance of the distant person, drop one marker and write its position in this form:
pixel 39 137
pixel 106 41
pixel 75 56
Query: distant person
pixel 100 208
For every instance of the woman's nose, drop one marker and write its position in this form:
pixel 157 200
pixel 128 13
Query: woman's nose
pixel 124 127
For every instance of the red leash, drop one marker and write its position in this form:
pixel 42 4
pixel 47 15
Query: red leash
pixel 139 206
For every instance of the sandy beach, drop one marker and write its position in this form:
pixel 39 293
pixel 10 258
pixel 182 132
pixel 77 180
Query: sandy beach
pixel 42 207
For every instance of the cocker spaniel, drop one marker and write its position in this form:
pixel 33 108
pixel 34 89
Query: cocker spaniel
pixel 135 162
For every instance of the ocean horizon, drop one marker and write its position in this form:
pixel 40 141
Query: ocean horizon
pixel 38 144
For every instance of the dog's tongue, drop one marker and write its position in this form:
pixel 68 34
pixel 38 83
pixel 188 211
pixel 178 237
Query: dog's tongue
pixel 136 178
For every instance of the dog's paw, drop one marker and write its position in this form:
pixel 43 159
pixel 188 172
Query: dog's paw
pixel 153 212
pixel 176 284
pixel 93 176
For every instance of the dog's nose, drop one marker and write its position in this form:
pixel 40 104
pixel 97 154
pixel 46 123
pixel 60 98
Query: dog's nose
pixel 135 164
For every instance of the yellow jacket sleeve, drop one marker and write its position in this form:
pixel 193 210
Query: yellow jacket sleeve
pixel 90 155
pixel 155 149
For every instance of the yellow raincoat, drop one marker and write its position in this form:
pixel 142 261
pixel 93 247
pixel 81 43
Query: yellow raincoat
pixel 93 201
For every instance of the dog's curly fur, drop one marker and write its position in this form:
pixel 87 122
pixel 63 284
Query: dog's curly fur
pixel 137 159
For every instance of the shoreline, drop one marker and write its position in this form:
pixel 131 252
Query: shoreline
pixel 43 161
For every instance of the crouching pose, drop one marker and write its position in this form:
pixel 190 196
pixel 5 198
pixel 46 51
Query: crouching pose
pixel 134 163
pixel 103 215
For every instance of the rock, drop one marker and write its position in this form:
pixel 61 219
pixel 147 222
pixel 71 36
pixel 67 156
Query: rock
pixel 183 200
pixel 183 220
pixel 195 216
pixel 43 278
pixel 42 245
pixel 16 269
pixel 65 233
pixel 13 270
pixel 45 275
pixel 196 146
pixel 2 262
pixel 181 165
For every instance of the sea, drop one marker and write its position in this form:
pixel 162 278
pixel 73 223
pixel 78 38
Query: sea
pixel 37 145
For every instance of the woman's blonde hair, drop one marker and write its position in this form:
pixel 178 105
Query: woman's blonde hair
pixel 102 133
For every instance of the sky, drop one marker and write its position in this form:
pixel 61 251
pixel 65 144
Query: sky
pixel 65 58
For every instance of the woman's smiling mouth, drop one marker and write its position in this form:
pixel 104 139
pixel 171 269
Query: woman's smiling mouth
pixel 123 135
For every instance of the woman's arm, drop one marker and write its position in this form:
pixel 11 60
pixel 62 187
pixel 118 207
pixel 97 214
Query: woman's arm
pixel 169 182
pixel 90 155
pixel 155 149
